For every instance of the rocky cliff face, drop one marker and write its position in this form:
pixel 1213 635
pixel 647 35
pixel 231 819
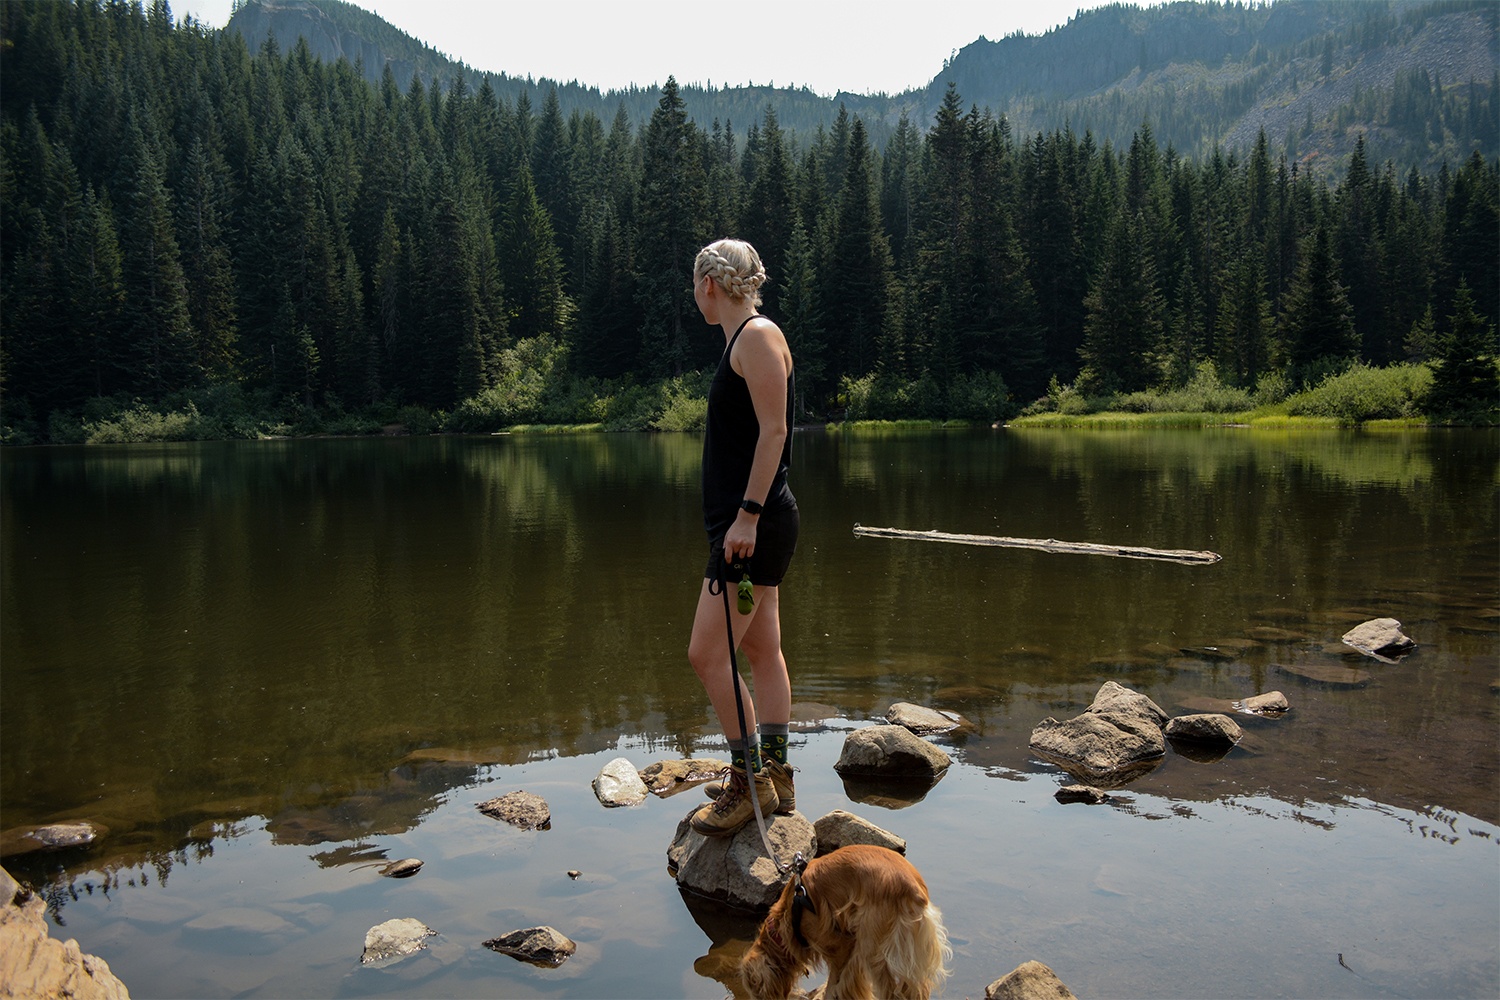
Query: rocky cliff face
pixel 289 20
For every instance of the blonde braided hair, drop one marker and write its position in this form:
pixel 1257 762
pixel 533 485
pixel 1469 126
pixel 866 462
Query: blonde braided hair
pixel 735 267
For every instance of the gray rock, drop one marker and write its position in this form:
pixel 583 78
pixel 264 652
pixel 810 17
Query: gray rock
pixel 924 721
pixel 395 939
pixel 537 945
pixel 1381 638
pixel 1099 743
pixel 735 870
pixel 241 921
pixel 1272 703
pixel 668 777
pixel 890 751
pixel 618 783
pixel 405 868
pixel 51 837
pixel 1206 728
pixel 841 828
pixel 1081 793
pixel 1029 981
pixel 1116 699
pixel 522 809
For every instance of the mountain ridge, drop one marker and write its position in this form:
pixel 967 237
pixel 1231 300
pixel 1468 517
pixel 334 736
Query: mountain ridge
pixel 1315 74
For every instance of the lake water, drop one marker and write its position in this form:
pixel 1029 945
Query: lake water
pixel 264 664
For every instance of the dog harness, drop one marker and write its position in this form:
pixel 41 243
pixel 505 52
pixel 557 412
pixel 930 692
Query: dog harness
pixel 801 901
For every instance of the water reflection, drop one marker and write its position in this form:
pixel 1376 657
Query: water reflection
pixel 327 645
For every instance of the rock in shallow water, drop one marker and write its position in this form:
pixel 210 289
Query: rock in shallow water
pixel 51 837
pixel 394 939
pixel 405 868
pixel 1029 981
pixel 1381 638
pixel 618 783
pixel 923 721
pixel 522 809
pixel 1206 728
pixel 735 870
pixel 537 945
pixel 890 751
pixel 841 828
pixel 668 777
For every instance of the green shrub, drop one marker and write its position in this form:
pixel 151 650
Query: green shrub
pixel 1363 393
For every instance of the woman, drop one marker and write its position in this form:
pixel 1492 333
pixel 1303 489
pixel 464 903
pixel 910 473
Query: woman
pixel 752 522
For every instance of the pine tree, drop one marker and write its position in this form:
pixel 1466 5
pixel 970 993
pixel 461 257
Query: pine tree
pixel 1465 384
pixel 1123 332
pixel 672 215
pixel 770 214
pixel 1243 328
pixel 1317 325
pixel 856 274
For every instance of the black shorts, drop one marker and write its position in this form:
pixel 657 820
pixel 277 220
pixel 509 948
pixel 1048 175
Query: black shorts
pixel 775 541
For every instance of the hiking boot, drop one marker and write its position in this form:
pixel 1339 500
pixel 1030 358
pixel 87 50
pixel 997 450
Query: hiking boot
pixel 781 777
pixel 733 809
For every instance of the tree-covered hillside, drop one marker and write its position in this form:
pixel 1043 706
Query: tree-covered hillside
pixel 1415 78
pixel 188 223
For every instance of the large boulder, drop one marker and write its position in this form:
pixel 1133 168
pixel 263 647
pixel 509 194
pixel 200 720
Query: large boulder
pixel 34 965
pixel 1381 638
pixel 1116 699
pixel 1094 746
pixel 618 783
pixel 1029 981
pixel 735 870
pixel 892 752
pixel 841 828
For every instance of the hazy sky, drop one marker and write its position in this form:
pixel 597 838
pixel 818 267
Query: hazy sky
pixel 827 45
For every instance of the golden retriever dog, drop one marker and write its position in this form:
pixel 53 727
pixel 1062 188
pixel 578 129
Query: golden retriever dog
pixel 864 913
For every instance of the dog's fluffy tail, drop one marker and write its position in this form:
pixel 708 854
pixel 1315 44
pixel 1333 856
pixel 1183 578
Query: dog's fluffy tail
pixel 907 957
pixel 920 956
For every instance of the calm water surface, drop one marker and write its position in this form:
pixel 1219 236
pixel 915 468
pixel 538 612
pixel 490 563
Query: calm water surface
pixel 263 665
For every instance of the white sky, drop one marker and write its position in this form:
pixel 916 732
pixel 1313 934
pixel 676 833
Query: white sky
pixel 827 45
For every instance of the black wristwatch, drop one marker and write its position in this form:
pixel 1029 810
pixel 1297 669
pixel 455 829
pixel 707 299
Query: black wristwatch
pixel 751 506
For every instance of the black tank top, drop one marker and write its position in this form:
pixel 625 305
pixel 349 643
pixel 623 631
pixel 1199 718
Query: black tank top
pixel 729 447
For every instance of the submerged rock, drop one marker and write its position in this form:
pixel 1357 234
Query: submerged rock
pixel 537 945
pixel 395 939
pixel 33 964
pixel 890 751
pixel 1081 793
pixel 668 777
pixel 521 809
pixel 1327 673
pixel 735 870
pixel 618 783
pixel 1206 728
pixel 1381 638
pixel 841 828
pixel 1029 981
pixel 924 721
pixel 51 837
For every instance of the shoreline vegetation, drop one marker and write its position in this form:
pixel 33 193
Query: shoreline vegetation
pixel 1392 398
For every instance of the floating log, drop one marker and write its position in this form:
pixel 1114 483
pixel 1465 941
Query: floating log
pixel 1187 556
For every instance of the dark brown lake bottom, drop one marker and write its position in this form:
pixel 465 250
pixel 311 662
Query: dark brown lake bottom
pixel 262 665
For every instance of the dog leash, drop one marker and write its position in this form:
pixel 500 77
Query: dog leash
pixel 739 707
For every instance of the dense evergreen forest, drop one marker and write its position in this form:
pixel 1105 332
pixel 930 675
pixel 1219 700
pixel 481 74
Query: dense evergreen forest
pixel 194 227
